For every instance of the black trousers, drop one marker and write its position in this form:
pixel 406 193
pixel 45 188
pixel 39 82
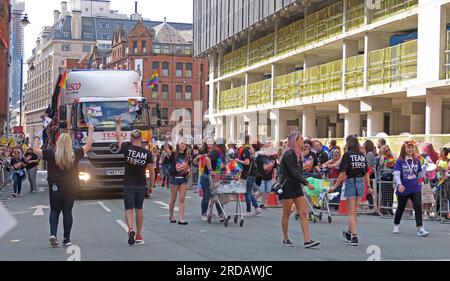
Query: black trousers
pixel 61 201
pixel 416 199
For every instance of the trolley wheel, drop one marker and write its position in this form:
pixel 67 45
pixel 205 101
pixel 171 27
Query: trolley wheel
pixel 236 218
pixel 297 217
pixel 209 220
pixel 320 216
pixel 314 219
pixel 330 220
pixel 225 223
pixel 241 223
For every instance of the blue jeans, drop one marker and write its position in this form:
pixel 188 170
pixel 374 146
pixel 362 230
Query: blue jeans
pixel 17 182
pixel 205 184
pixel 165 172
pixel 249 198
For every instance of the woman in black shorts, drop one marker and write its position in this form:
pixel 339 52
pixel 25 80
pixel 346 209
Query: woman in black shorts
pixel 292 180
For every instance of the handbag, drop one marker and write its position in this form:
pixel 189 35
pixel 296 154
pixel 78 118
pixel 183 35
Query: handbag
pixel 277 187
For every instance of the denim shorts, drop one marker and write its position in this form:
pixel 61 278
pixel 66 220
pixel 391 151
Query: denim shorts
pixel 133 197
pixel 354 187
pixel 266 186
pixel 178 181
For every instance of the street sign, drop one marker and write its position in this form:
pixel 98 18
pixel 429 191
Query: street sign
pixel 18 130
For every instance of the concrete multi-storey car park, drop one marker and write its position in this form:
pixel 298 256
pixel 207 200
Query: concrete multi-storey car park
pixel 328 68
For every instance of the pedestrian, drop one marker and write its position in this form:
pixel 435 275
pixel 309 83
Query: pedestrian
pixel 371 155
pixel 310 162
pixel 380 143
pixel 31 163
pixel 407 173
pixel 137 161
pixel 248 176
pixel 353 169
pixel 386 161
pixel 292 181
pixel 321 153
pixel 211 161
pixel 63 181
pixel 18 167
pixel 194 168
pixel 165 164
pixel 266 169
pixel 179 175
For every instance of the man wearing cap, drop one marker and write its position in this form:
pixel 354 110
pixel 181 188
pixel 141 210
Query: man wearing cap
pixel 137 161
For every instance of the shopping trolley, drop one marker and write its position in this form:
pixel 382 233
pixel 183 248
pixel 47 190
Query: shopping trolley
pixel 222 192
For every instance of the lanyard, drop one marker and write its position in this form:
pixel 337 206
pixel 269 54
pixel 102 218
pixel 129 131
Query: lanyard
pixel 411 168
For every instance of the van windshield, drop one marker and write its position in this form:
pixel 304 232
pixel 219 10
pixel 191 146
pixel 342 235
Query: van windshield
pixel 103 115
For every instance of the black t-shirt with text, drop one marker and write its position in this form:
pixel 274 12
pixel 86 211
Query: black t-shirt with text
pixel 67 180
pixel 136 161
pixel 354 164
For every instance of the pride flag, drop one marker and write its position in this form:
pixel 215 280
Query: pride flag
pixel 153 81
pixel 63 82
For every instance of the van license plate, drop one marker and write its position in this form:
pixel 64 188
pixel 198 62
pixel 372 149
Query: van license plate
pixel 115 173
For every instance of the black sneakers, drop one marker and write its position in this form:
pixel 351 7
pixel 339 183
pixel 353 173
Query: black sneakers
pixel 131 240
pixel 347 236
pixel 311 244
pixel 288 243
pixel 350 239
pixel 66 242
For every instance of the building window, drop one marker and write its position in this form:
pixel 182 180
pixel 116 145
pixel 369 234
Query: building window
pixel 178 49
pixel 179 92
pixel 157 49
pixel 135 47
pixel 100 25
pixel 144 46
pixel 66 34
pixel 65 47
pixel 165 92
pixel 165 69
pixel 154 118
pixel 179 72
pixel 155 66
pixel 86 48
pixel 188 93
pixel 166 49
pixel 187 50
pixel 188 70
pixel 107 25
pixel 155 93
pixel 88 35
pixel 165 116
pixel 87 23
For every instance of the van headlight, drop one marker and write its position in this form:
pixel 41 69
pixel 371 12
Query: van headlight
pixel 84 176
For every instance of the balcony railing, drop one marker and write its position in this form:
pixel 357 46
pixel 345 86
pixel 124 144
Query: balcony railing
pixel 322 24
pixel 259 93
pixel 393 65
pixel 232 98
pixel 354 72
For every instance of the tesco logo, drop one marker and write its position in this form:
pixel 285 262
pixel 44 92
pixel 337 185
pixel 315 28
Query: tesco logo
pixel 73 86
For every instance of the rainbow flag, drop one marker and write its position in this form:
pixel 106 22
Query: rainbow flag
pixel 63 82
pixel 153 81
pixel 234 167
pixel 201 165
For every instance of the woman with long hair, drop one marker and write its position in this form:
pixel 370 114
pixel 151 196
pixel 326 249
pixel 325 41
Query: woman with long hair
pixel 211 161
pixel 407 172
pixel 353 170
pixel 292 181
pixel 18 166
pixel 179 176
pixel 63 181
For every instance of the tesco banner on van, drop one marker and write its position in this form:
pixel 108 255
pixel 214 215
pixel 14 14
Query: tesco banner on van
pixel 107 137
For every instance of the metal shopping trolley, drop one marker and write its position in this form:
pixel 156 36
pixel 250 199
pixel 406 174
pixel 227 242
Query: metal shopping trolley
pixel 222 192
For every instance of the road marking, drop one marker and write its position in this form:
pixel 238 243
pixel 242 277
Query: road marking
pixel 165 205
pixel 123 225
pixel 21 212
pixel 201 230
pixel 108 210
pixel 39 210
pixel 14 241
pixel 188 197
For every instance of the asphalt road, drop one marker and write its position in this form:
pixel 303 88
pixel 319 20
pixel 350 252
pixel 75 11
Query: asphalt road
pixel 98 235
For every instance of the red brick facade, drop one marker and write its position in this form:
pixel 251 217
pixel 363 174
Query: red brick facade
pixel 123 56
pixel 4 68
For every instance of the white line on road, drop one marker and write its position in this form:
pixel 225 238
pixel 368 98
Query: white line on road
pixel 123 225
pixel 165 205
pixel 104 207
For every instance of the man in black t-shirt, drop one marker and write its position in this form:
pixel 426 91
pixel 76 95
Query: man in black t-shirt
pixel 137 161
pixel 31 162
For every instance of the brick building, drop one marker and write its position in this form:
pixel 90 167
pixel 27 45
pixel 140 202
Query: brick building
pixel 182 78
pixel 4 64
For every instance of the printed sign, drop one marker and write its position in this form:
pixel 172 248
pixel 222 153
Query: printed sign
pixel 94 111
pixel 133 105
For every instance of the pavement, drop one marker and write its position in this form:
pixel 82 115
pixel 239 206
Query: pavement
pixel 99 235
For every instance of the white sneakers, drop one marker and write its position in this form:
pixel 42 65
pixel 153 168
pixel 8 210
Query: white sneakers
pixel 258 211
pixel 421 232
pixel 396 229
pixel 204 218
